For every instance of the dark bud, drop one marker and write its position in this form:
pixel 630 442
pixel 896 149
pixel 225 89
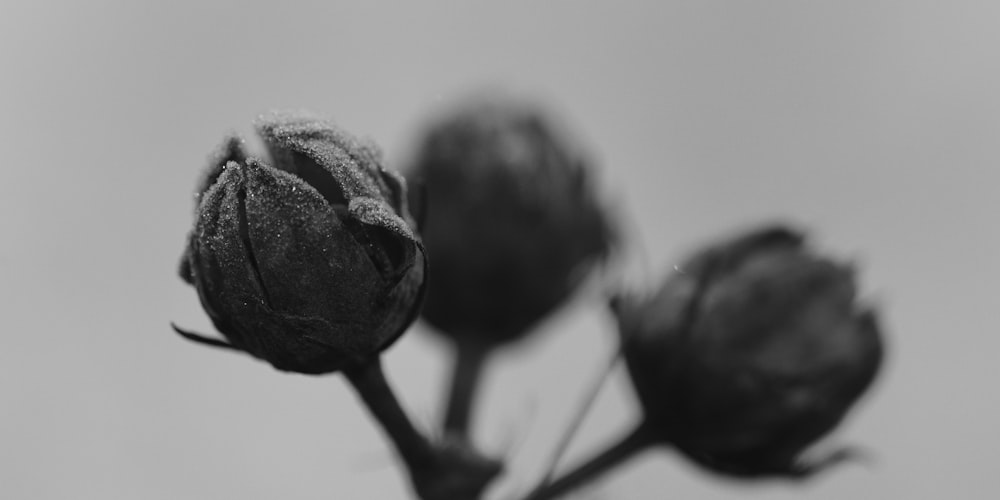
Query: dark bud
pixel 750 353
pixel 512 223
pixel 310 264
pixel 231 149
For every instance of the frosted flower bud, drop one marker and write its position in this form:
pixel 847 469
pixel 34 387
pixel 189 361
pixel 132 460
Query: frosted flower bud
pixel 754 350
pixel 310 264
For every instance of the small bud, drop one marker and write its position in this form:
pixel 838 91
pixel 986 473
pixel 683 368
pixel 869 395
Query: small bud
pixel 232 149
pixel 311 265
pixel 751 353
pixel 512 223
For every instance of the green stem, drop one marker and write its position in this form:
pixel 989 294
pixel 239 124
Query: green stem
pixel 627 447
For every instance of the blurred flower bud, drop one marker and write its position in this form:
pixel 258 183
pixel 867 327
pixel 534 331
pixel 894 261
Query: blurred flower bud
pixel 751 352
pixel 311 264
pixel 512 224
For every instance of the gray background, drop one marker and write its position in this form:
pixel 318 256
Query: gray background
pixel 873 123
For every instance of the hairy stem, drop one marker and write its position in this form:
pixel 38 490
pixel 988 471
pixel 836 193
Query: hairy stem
pixel 627 447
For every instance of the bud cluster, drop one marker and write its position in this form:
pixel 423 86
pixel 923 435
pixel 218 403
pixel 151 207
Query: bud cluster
pixel 310 257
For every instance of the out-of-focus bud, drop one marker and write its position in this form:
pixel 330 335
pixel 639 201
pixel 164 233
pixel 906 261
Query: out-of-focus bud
pixel 512 223
pixel 312 264
pixel 750 353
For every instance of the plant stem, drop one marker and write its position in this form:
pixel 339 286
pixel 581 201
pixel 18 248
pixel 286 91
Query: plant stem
pixel 442 470
pixel 591 396
pixel 467 370
pixel 627 447
pixel 370 383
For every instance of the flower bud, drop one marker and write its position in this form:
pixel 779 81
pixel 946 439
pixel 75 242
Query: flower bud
pixel 754 350
pixel 232 149
pixel 512 223
pixel 311 264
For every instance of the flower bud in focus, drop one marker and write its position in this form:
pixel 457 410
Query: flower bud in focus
pixel 310 264
pixel 512 223
pixel 750 353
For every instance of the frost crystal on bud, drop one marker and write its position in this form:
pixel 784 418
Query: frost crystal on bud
pixel 310 264
pixel 512 223
pixel 751 353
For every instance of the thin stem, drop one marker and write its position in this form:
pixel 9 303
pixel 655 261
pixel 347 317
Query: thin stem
pixel 470 358
pixel 591 396
pixel 442 470
pixel 370 383
pixel 627 447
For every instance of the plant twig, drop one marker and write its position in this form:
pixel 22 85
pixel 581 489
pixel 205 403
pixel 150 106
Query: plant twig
pixel 370 383
pixel 627 447
pixel 470 359
pixel 581 413
pixel 443 470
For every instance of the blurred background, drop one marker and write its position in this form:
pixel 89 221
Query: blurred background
pixel 874 124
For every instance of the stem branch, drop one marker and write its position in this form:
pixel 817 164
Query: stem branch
pixel 591 396
pixel 443 470
pixel 370 383
pixel 627 447
pixel 470 358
